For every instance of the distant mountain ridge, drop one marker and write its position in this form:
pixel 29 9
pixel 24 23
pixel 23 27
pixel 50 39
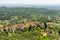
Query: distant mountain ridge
pixel 32 6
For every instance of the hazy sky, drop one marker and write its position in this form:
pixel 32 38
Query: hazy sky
pixel 30 2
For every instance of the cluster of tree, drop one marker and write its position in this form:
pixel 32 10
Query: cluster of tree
pixel 21 16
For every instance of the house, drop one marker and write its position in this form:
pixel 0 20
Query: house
pixel 24 25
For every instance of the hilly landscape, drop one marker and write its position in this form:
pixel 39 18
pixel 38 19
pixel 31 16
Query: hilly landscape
pixel 29 23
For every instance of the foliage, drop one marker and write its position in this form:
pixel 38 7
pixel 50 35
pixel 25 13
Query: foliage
pixel 11 16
